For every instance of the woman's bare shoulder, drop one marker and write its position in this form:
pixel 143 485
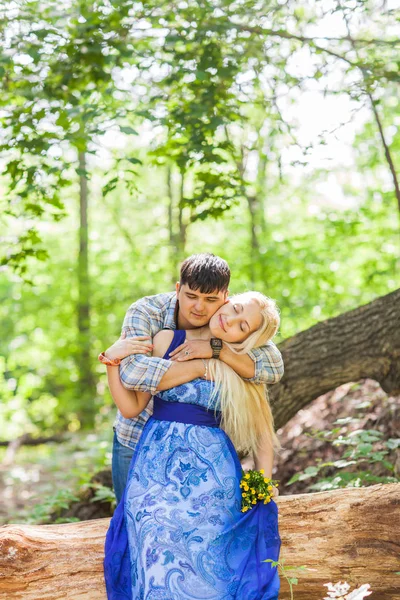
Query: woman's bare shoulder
pixel 162 341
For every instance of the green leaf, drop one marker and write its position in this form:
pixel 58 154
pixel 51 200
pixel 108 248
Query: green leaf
pixel 128 130
pixel 134 161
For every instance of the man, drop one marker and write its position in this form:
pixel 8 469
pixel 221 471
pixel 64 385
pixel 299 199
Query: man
pixel 201 291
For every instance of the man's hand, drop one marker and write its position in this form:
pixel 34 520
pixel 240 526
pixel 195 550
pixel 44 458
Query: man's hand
pixel 192 349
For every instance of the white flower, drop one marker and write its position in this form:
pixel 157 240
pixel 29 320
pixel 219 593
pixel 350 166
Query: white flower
pixel 360 593
pixel 336 591
pixel 339 590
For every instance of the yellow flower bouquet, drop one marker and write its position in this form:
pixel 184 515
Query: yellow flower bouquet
pixel 256 488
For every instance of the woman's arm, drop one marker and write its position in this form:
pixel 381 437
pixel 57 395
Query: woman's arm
pixel 264 458
pixel 129 402
pixel 132 402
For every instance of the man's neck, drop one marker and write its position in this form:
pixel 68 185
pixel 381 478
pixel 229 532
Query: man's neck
pixel 181 322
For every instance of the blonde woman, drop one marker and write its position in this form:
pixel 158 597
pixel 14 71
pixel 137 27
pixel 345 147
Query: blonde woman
pixel 179 532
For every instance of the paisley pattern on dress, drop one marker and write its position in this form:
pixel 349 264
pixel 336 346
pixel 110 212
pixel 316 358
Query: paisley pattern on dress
pixel 178 532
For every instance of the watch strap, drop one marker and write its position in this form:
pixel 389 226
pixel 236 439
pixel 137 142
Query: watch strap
pixel 216 346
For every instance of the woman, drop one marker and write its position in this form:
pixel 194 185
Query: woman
pixel 179 532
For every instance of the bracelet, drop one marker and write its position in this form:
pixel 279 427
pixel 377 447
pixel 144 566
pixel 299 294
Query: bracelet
pixel 206 368
pixel 108 361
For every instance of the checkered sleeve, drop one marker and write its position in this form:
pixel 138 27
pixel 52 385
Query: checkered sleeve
pixel 268 364
pixel 140 372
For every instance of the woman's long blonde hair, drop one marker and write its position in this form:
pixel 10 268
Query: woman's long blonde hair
pixel 246 412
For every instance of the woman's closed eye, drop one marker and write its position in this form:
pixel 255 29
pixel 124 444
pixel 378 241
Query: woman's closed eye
pixel 243 324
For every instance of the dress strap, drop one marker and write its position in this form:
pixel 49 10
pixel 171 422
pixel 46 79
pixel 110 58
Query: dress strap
pixel 177 340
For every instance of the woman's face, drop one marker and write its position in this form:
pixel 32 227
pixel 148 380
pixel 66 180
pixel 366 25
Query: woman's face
pixel 236 319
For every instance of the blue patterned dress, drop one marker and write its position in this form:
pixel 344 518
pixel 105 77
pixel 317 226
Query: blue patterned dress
pixel 178 532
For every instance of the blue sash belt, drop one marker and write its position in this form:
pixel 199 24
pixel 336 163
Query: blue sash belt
pixel 191 414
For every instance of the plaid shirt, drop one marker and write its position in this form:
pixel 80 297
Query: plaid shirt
pixel 148 316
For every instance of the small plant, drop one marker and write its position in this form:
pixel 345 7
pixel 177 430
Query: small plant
pixel 338 591
pixel 103 494
pixel 288 572
pixel 53 504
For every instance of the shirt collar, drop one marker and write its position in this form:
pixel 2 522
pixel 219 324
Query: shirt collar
pixel 171 315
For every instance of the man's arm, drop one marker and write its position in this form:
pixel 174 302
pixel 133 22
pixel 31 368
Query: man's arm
pixel 268 364
pixel 243 364
pixel 146 373
pixel 180 373
pixel 141 372
pixel 261 365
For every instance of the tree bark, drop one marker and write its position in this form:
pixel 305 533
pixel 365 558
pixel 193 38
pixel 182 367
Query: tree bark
pixel 350 534
pixel 254 245
pixel 361 343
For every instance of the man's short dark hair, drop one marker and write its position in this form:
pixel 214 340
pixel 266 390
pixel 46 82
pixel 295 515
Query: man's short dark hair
pixel 205 272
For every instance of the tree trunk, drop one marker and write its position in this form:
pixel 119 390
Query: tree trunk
pixel 172 227
pixel 254 245
pixel 347 535
pixel 177 227
pixel 361 343
pixel 182 226
pixel 86 382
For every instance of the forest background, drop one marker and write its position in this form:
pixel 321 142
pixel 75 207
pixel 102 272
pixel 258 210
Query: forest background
pixel 134 134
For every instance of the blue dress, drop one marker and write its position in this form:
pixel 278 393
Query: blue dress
pixel 178 532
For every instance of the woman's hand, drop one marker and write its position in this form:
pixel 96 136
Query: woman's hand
pixel 192 349
pixel 275 492
pixel 126 346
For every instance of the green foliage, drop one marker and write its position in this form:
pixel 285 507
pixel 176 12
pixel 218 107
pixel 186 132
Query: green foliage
pixel 103 494
pixel 360 448
pixel 49 509
pixel 200 73
pixel 52 505
pixel 177 108
pixel 43 480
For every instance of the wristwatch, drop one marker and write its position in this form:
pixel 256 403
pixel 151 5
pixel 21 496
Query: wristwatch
pixel 216 346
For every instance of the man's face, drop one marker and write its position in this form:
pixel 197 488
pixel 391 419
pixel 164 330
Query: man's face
pixel 195 308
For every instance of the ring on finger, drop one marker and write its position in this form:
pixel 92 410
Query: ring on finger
pixel 187 353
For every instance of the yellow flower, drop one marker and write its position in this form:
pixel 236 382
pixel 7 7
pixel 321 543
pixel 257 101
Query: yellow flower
pixel 245 508
pixel 253 491
pixel 247 476
pixel 254 501
pixel 262 471
pixel 269 488
pixel 267 500
pixel 266 480
pixel 244 495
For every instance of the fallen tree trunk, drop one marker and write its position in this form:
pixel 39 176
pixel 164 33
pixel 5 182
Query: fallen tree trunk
pixel 350 535
pixel 362 343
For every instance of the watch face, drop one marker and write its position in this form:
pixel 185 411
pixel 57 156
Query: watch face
pixel 216 343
